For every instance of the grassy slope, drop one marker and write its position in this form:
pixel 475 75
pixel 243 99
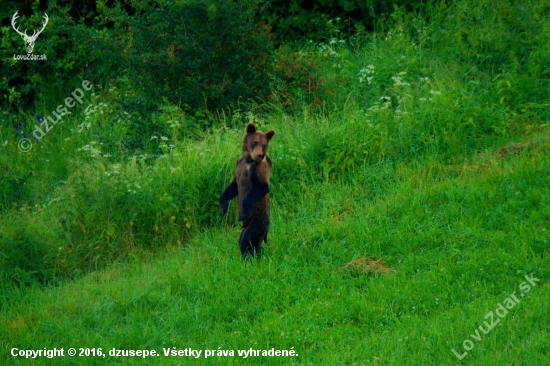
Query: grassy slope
pixel 462 238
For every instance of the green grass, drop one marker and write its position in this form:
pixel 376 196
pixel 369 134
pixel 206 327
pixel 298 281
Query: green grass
pixel 440 167
pixel 462 238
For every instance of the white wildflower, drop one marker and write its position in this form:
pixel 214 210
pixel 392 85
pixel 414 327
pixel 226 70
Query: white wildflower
pixel 397 81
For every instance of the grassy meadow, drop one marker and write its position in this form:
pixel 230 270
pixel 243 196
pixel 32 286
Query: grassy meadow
pixel 424 144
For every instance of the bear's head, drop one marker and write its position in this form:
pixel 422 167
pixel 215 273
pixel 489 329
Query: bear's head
pixel 255 143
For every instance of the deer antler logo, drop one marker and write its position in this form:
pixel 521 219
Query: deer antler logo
pixel 29 41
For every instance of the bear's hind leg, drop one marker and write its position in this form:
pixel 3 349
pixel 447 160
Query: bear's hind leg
pixel 250 243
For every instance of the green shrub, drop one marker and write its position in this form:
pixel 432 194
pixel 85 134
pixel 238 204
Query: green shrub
pixel 24 257
pixel 295 74
pixel 301 20
pixel 74 46
pixel 196 54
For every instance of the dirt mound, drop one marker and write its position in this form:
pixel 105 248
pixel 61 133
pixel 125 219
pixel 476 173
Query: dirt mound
pixel 368 266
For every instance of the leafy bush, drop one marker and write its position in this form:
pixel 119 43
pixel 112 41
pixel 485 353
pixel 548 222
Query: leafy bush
pixel 24 257
pixel 195 54
pixel 70 42
pixel 301 20
pixel 295 73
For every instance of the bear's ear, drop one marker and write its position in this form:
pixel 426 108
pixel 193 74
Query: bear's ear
pixel 269 135
pixel 250 128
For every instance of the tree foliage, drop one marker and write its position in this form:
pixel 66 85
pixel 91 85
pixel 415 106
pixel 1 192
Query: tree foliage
pixel 302 20
pixel 198 53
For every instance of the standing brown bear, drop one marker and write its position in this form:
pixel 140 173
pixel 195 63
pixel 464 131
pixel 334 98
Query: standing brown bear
pixel 251 184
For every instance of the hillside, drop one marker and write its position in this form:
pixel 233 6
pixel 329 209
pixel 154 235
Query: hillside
pixel 423 145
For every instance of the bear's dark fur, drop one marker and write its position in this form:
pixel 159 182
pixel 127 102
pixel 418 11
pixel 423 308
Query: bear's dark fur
pixel 251 184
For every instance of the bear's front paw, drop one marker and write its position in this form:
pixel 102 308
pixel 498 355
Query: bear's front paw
pixel 223 209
